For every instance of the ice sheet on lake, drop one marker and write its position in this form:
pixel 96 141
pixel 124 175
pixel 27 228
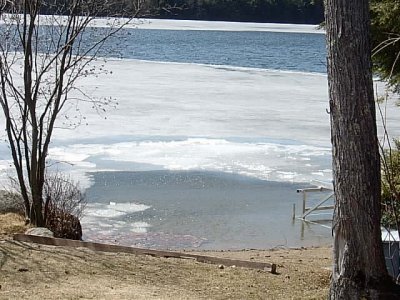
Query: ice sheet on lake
pixel 226 26
pixel 267 124
pixel 167 24
pixel 262 160
pixel 172 99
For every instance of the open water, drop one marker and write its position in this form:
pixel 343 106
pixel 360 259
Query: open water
pixel 304 52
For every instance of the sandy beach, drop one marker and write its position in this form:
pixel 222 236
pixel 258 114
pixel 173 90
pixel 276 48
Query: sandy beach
pixel 31 271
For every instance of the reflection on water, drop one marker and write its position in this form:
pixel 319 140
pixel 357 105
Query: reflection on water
pixel 196 209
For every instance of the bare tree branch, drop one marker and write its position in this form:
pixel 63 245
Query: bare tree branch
pixel 42 57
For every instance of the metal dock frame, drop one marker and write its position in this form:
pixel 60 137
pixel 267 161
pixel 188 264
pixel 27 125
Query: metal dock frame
pixel 320 187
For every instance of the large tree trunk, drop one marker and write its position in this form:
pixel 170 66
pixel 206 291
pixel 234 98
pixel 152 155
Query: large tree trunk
pixel 37 217
pixel 359 267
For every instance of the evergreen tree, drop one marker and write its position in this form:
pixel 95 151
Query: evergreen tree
pixel 385 21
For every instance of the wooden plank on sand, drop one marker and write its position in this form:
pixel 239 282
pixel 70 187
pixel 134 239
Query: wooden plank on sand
pixel 268 267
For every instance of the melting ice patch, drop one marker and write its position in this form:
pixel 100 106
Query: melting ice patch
pixel 107 223
pixel 271 161
pixel 107 218
pixel 113 209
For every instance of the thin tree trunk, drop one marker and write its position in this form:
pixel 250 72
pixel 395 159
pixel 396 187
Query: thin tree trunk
pixel 31 111
pixel 359 267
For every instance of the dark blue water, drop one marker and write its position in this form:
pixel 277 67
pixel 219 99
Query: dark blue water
pixel 268 50
pixel 304 52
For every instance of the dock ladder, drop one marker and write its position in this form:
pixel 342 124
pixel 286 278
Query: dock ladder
pixel 320 186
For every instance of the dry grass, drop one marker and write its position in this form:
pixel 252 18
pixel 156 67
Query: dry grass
pixel 29 271
pixel 10 224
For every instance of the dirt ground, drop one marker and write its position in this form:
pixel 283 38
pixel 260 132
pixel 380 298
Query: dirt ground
pixel 30 271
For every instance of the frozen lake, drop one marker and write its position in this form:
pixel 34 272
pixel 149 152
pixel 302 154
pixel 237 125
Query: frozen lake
pixel 206 148
pixel 199 117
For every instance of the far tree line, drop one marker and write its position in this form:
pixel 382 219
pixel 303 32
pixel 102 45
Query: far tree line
pixel 275 11
pixel 283 11
pixel 385 19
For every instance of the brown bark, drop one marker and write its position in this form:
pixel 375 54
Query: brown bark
pixel 359 270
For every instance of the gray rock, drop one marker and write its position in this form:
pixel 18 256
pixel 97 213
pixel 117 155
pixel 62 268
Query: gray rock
pixel 40 231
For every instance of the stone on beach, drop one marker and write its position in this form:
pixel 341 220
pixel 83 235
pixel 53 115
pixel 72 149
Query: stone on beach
pixel 40 231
